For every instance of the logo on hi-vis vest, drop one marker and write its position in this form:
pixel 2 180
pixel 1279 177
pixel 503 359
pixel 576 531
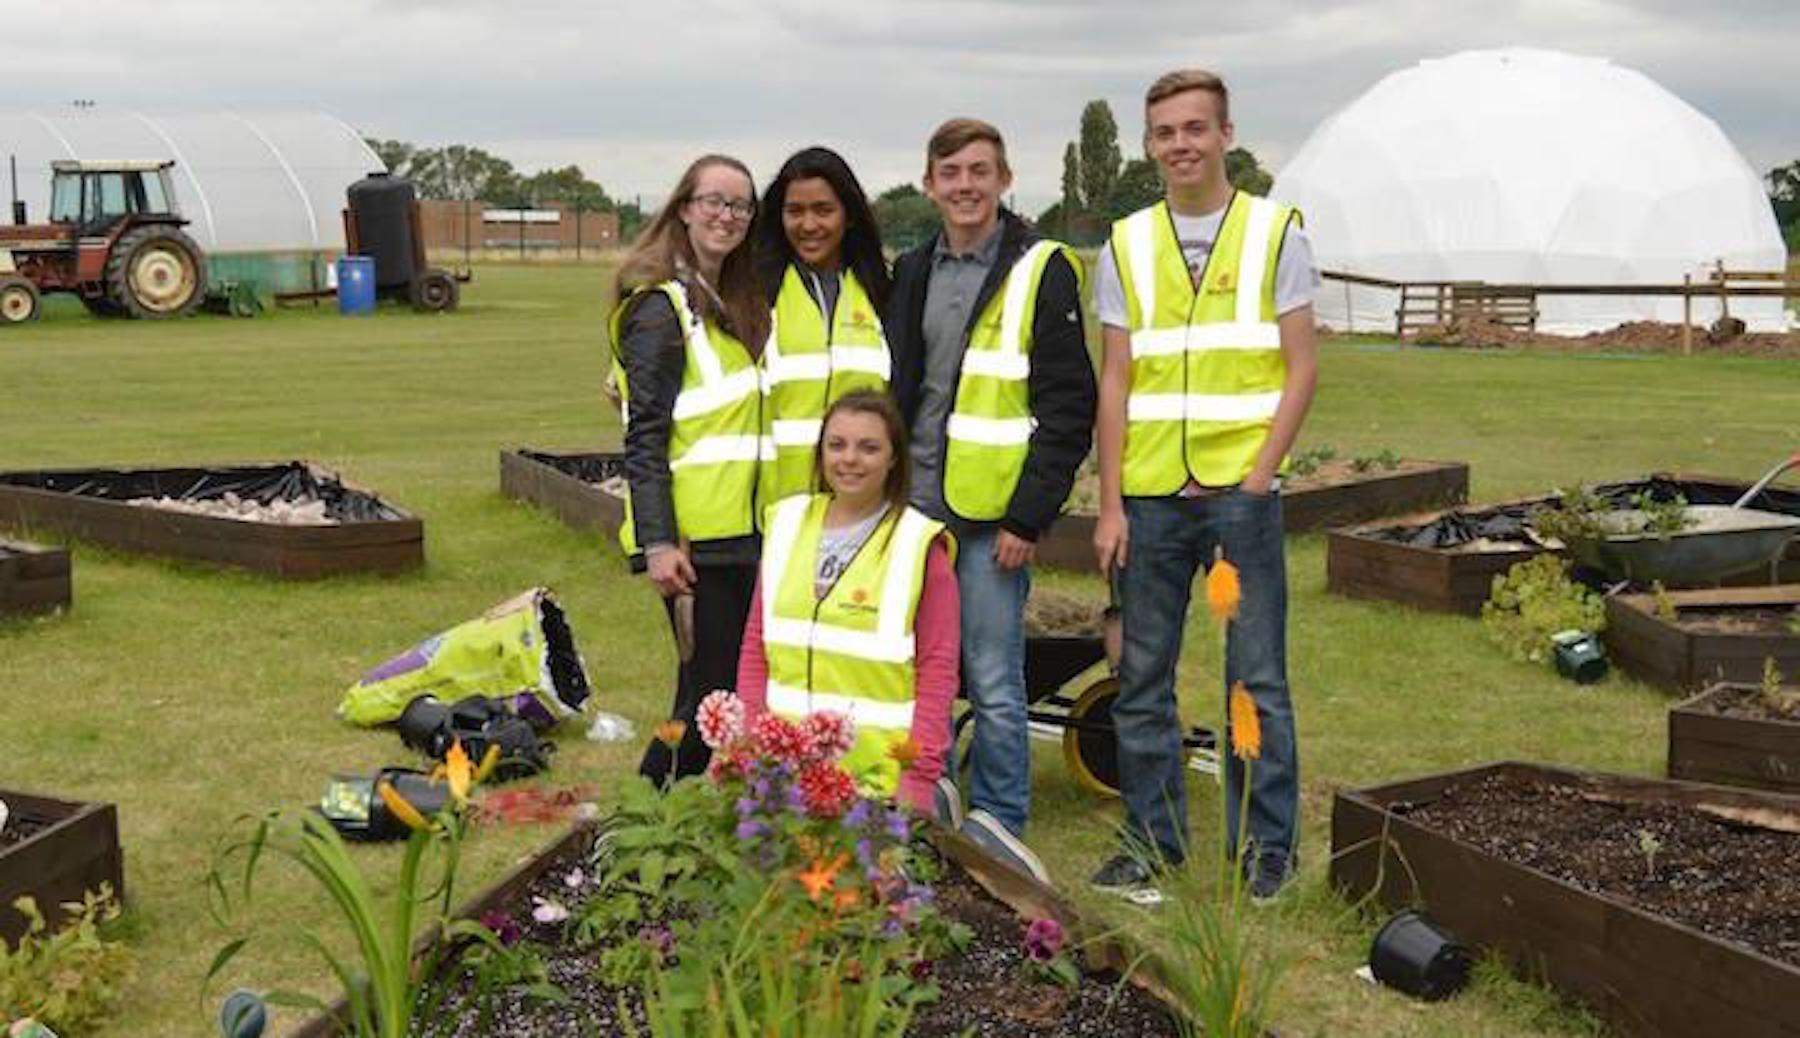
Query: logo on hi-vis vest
pixel 1226 281
pixel 859 319
pixel 859 601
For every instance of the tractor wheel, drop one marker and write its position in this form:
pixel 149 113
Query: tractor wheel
pixel 19 300
pixel 155 272
pixel 100 306
pixel 433 291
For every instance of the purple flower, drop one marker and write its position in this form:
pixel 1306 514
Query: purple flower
pixel 660 939
pixel 503 926
pixel 858 815
pixel 746 807
pixel 748 830
pixel 1044 939
pixel 865 853
pixel 898 826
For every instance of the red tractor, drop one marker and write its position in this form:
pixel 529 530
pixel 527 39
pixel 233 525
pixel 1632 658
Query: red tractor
pixel 114 238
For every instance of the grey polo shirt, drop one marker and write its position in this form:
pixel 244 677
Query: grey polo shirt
pixel 950 294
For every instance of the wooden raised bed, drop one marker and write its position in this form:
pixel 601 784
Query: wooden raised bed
pixel 1644 973
pixel 368 535
pixel 1306 505
pixel 569 485
pixel 1707 644
pixel 1377 561
pixel 65 849
pixel 1712 742
pixel 33 578
pixel 1024 895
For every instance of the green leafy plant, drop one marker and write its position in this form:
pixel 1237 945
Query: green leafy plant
pixel 1665 606
pixel 385 987
pixel 1649 846
pixel 1775 699
pixel 1307 462
pixel 1534 600
pixel 1793 621
pixel 494 964
pixel 1385 460
pixel 1582 515
pixel 67 979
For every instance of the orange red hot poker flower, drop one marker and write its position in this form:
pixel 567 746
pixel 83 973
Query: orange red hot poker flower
pixel 1222 591
pixel 1246 727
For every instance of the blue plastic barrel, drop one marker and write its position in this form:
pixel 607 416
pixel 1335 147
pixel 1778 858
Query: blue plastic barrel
pixel 356 284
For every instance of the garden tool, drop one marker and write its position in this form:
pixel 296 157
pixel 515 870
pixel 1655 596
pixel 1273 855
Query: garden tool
pixel 357 812
pixel 478 723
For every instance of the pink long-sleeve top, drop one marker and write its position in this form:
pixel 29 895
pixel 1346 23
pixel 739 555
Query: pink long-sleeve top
pixel 937 648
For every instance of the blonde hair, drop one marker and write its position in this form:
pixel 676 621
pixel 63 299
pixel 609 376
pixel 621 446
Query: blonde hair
pixel 1183 80
pixel 959 133
pixel 662 249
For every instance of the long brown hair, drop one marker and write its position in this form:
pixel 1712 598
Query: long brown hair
pixel 663 246
pixel 898 484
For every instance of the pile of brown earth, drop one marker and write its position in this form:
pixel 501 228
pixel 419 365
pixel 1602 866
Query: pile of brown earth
pixel 1630 337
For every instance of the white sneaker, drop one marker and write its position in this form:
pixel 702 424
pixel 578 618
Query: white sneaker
pixel 1003 846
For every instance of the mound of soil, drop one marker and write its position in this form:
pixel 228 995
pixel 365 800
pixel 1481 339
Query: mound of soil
pixel 1751 705
pixel 1712 873
pixel 1630 337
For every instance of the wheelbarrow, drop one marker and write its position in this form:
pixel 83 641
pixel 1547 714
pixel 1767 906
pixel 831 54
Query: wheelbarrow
pixel 1718 541
pixel 1082 719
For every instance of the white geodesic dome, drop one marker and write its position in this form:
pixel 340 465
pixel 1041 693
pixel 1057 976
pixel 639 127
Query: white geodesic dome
pixel 1535 166
pixel 247 181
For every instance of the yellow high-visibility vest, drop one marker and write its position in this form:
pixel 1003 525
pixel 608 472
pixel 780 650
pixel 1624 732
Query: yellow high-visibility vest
pixel 990 426
pixel 715 445
pixel 807 366
pixel 1206 366
pixel 852 651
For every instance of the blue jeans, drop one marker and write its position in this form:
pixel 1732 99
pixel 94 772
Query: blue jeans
pixel 993 679
pixel 1171 539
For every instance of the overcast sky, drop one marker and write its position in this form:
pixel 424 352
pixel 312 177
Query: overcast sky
pixel 631 91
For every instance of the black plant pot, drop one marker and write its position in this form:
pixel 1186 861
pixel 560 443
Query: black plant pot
pixel 1412 954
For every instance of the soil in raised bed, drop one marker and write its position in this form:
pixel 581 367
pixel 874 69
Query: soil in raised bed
pixel 1084 496
pixel 1739 619
pixel 1713 874
pixel 1062 615
pixel 1750 704
pixel 985 989
pixel 606 471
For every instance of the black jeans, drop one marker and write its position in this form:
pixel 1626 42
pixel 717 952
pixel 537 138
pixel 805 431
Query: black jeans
pixel 721 607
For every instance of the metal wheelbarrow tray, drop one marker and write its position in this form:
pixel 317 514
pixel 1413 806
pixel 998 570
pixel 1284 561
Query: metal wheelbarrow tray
pixel 1721 541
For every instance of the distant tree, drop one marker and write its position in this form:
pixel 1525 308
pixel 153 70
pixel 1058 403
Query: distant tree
pixel 1784 195
pixel 1245 173
pixel 567 186
pixel 1098 155
pixel 907 218
pixel 1071 189
pixel 397 156
pixel 1138 185
pixel 460 171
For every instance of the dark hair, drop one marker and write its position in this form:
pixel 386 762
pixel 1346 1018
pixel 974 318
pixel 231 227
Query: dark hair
pixel 878 403
pixel 957 134
pixel 663 245
pixel 862 237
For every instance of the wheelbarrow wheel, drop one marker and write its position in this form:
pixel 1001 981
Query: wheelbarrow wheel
pixel 1090 744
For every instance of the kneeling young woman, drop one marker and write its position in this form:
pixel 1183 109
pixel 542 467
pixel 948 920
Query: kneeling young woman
pixel 856 609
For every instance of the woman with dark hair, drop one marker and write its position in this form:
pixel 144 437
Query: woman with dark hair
pixel 856 609
pixel 687 329
pixel 820 265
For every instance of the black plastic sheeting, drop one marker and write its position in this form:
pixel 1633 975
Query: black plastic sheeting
pixel 589 468
pixel 1508 522
pixel 263 484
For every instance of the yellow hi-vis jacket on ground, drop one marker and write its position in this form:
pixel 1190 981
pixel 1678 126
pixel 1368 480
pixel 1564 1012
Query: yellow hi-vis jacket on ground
pixel 1206 366
pixel 852 651
pixel 990 426
pixel 715 443
pixel 806 366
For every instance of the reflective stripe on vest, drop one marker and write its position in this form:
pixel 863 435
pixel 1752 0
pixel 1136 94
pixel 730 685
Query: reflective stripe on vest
pixel 989 431
pixel 852 651
pixel 715 442
pixel 804 369
pixel 1206 366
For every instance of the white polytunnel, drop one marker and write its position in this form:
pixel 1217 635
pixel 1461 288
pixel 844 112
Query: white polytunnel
pixel 1530 166
pixel 263 190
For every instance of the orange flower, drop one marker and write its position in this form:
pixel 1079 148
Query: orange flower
pixel 671 732
pixel 459 771
pixel 401 808
pixel 844 900
pixel 1222 591
pixel 1246 727
pixel 818 879
pixel 488 761
pixel 904 752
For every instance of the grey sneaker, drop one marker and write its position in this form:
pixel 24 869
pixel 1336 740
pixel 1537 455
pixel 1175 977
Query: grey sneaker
pixel 994 838
pixel 1127 876
pixel 1269 879
pixel 947 802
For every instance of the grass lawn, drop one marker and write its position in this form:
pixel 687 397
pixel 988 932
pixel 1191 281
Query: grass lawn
pixel 190 696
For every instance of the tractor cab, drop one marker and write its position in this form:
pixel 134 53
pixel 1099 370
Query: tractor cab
pixel 93 196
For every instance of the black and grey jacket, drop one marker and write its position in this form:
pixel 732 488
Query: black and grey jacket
pixel 1061 384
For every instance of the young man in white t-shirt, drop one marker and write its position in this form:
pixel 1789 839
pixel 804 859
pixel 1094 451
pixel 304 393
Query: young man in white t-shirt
pixel 1205 302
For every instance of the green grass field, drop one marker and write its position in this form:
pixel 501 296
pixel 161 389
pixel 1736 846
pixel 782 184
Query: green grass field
pixel 190 696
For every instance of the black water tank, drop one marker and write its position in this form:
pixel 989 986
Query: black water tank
pixel 382 207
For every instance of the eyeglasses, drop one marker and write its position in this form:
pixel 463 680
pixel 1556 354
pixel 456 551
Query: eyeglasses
pixel 714 204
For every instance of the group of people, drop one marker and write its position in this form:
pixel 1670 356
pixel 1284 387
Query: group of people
pixel 838 475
